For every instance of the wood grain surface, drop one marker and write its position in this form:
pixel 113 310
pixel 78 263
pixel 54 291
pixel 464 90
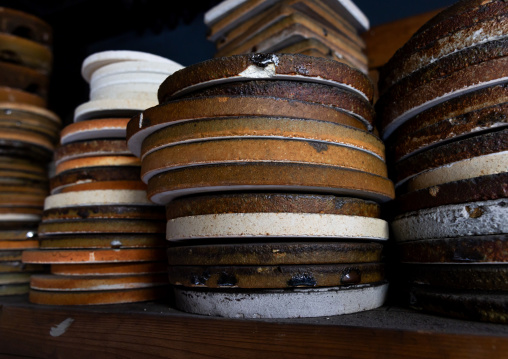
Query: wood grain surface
pixel 153 330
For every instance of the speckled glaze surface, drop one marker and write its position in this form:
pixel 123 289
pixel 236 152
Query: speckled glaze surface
pixel 268 176
pixel 458 27
pixel 102 147
pixel 455 74
pixel 103 212
pixel 290 253
pixel 256 151
pixel 298 90
pixel 255 202
pixel 455 117
pixel 174 112
pixel 272 66
pixel 263 127
pixel 465 80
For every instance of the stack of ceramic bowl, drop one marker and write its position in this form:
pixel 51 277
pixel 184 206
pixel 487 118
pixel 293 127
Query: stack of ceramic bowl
pixel 322 28
pixel 122 83
pixel 102 237
pixel 443 112
pixel 28 136
pixel 272 183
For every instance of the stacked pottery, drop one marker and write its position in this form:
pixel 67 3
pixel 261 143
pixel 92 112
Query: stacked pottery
pixel 28 136
pixel 101 235
pixel 443 111
pixel 272 182
pixel 321 28
pixel 122 82
pixel 26 58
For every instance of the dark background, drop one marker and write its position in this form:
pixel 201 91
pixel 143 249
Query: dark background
pixel 173 29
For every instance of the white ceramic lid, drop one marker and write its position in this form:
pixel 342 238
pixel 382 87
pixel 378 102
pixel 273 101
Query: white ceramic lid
pixel 100 59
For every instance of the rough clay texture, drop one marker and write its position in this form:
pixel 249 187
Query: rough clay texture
pixel 476 218
pixel 285 64
pixel 256 202
pixel 295 303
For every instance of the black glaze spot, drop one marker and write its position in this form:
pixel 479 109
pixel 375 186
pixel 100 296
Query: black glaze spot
pixel 227 280
pixel 302 280
pixel 319 146
pixel 351 276
pixel 83 213
pixel 262 60
pixel 197 279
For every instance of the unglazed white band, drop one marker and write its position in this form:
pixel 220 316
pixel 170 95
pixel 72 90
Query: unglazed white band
pixel 490 164
pixel 467 219
pixel 278 303
pixel 276 225
pixel 97 197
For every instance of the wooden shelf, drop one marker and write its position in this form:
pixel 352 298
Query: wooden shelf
pixel 155 330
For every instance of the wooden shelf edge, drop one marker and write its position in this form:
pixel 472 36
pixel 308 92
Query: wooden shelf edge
pixel 153 330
